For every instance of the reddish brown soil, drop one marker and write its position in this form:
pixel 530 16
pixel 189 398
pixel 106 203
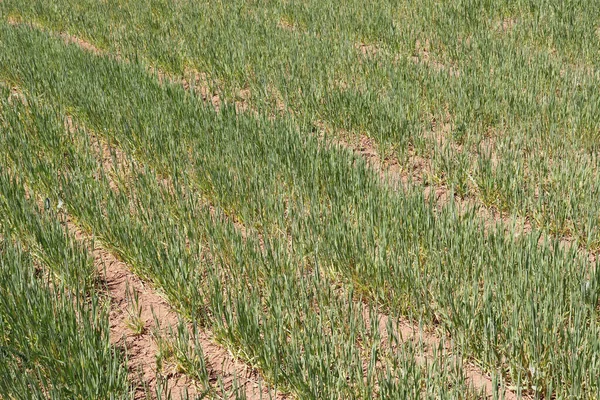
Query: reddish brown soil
pixel 505 25
pixel 17 96
pixel 406 331
pixel 141 349
pixel 195 80
pixel 369 50
pixel 286 25
pixel 87 46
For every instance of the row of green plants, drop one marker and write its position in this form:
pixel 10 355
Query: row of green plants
pixel 317 221
pixel 272 306
pixel 54 314
pixel 54 331
pixel 514 80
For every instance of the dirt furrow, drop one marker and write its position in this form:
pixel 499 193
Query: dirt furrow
pixel 141 345
pixel 139 318
pixel 193 79
pixel 235 375
pixel 414 173
pixel 402 329
pixel 405 331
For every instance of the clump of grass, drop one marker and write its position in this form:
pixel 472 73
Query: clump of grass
pixel 183 350
pixel 54 340
pixel 134 320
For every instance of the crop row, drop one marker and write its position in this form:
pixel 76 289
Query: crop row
pixel 54 331
pixel 55 309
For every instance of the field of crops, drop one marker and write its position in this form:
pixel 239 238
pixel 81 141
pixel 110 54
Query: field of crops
pixel 299 199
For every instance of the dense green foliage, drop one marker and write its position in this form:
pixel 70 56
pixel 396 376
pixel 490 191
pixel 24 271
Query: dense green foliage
pixel 260 230
pixel 514 80
pixel 54 339
pixel 258 301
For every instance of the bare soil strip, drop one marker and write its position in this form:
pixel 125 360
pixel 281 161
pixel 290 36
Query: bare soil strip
pixel 142 348
pixel 235 375
pixel 415 173
pixel 422 55
pixel 406 331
